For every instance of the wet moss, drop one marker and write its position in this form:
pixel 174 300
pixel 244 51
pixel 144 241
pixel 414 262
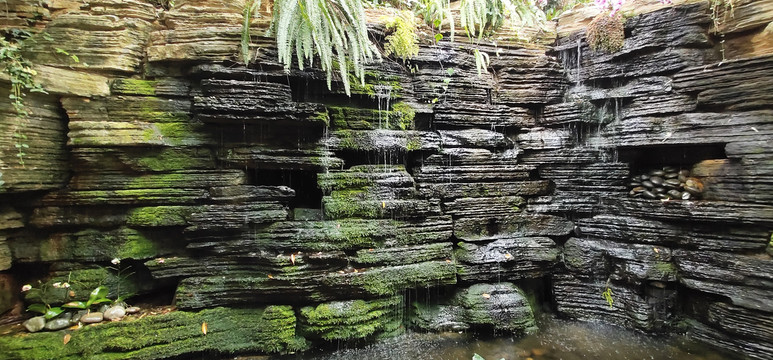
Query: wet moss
pixel 176 334
pixel 160 216
pixel 404 114
pixel 347 320
pixel 175 159
pixel 134 87
pixel 390 280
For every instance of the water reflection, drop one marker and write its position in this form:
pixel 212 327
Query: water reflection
pixel 558 340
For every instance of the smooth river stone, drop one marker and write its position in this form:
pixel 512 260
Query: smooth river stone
pixel 114 313
pixel 57 324
pixel 35 324
pixel 91 318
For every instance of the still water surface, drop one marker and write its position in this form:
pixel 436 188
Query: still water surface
pixel 557 340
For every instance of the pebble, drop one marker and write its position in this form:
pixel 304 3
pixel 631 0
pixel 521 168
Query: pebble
pixel 35 324
pixel 91 318
pixel 132 310
pixel 114 313
pixel 57 324
pixel 77 316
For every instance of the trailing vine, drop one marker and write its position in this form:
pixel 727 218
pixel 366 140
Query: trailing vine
pixel 21 75
pixel 250 9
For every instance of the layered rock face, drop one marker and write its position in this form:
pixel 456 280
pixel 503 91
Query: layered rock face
pixel 434 198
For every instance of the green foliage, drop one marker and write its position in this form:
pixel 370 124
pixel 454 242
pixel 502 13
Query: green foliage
pixel 403 42
pixel 250 9
pixel 331 29
pixel 480 16
pixel 481 61
pixel 554 9
pixel 606 32
pixel 22 76
pixel 434 13
pixel 96 297
pixel 607 294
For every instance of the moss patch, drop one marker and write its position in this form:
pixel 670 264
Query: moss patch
pixel 179 333
pixel 347 320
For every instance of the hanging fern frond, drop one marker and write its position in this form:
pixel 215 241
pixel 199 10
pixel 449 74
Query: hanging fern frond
pixel 250 10
pixel 482 61
pixel 334 30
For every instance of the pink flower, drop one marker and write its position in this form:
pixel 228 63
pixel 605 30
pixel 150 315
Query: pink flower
pixel 27 287
pixel 57 285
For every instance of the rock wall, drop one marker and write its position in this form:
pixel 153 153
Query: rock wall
pixel 227 186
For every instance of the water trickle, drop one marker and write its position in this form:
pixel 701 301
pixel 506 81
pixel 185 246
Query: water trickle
pixel 383 95
pixel 579 61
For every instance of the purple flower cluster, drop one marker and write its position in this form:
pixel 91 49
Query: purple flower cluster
pixel 615 5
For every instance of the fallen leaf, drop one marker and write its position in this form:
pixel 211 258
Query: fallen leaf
pixel 656 250
pixel 486 296
pixel 270 276
pixel 66 338
pixel 204 328
pixel 507 255
pixel 383 204
pixel 292 258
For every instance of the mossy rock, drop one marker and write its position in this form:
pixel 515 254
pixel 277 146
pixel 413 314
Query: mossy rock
pixel 175 334
pixel 152 216
pixel 100 245
pixel 392 279
pixel 348 320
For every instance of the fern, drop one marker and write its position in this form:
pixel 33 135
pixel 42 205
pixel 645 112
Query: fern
pixel 481 61
pixel 250 9
pixel 334 30
pixel 403 42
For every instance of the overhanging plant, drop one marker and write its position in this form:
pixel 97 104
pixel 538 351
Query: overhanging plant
pixel 333 30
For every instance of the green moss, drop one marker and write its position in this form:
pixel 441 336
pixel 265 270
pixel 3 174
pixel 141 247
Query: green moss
pixel 409 254
pixel 606 32
pixel 160 215
pixel 404 114
pixel 321 116
pixel 176 334
pixel 101 245
pixel 347 320
pixel 342 208
pixel 664 270
pixel 342 180
pixel 174 159
pixel 134 87
pixel 390 280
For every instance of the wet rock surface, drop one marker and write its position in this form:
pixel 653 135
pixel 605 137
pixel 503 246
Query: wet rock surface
pixel 260 191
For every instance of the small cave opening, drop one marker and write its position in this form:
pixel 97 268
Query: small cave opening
pixel 680 156
pixel 308 195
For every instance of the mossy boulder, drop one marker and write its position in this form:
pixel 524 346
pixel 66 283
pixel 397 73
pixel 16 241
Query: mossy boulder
pixel 176 334
pixel 501 306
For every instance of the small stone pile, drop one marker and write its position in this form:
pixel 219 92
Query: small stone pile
pixel 666 183
pixel 67 319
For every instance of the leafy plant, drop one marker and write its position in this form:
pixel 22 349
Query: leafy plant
pixel 21 74
pixel 434 13
pixel 96 297
pixel 250 9
pixel 482 61
pixel 607 294
pixel 331 29
pixel 403 42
